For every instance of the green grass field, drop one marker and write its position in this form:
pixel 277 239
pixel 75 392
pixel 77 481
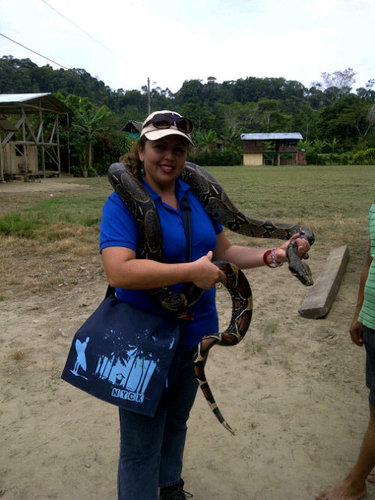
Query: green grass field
pixel 333 201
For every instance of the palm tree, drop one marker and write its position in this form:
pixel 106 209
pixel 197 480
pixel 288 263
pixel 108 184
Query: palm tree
pixel 89 121
pixel 333 144
pixel 319 145
pixel 205 140
pixel 232 138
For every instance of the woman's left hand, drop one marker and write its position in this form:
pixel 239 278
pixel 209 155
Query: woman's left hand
pixel 303 247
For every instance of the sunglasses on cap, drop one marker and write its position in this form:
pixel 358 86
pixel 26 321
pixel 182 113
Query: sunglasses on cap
pixel 166 120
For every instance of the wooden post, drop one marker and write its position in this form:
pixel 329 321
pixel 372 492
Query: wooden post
pixel 24 145
pixel 42 141
pixel 1 162
pixel 58 145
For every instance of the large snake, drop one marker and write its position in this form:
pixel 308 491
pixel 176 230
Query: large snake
pixel 215 201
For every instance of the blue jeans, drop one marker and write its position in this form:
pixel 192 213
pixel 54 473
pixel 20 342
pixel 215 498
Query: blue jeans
pixel 151 449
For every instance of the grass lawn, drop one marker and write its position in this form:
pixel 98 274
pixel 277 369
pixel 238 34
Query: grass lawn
pixel 332 201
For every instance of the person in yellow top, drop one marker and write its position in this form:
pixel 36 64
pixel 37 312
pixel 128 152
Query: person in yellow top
pixel 362 331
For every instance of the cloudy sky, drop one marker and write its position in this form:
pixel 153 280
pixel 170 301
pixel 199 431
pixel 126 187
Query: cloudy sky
pixel 124 42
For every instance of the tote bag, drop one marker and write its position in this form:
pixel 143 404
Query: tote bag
pixel 122 355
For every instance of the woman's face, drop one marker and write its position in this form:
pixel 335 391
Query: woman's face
pixel 163 160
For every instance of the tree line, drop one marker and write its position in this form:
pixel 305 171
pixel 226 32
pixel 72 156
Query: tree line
pixel 336 120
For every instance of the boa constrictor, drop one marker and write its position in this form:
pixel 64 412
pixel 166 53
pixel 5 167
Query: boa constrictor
pixel 218 205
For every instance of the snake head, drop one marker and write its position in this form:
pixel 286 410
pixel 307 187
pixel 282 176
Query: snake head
pixel 297 266
pixel 306 233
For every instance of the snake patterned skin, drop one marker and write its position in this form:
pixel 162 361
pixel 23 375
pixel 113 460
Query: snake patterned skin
pixel 218 205
pixel 242 309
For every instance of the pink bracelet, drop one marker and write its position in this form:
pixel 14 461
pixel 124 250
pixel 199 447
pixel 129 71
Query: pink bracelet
pixel 273 263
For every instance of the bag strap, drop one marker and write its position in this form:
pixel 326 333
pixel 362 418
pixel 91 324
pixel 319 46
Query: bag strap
pixel 186 216
pixel 110 291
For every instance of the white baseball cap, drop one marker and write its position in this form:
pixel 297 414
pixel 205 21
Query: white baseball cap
pixel 163 123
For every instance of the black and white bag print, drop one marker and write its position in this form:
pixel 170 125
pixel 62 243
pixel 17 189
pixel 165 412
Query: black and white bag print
pixel 122 355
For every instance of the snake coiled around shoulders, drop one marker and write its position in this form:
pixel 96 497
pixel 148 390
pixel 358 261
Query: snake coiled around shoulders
pixel 218 205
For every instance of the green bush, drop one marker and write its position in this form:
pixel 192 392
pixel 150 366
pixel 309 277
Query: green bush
pixel 338 159
pixel 314 158
pixel 108 149
pixel 92 172
pixel 346 159
pixel 76 171
pixel 366 157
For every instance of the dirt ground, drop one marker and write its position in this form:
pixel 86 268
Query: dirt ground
pixel 293 390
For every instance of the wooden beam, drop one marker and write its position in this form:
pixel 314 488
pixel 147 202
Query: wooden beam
pixel 323 293
pixel 41 136
pixel 31 131
pixel 2 161
pixel 58 145
pixel 36 143
pixel 10 135
pixel 52 134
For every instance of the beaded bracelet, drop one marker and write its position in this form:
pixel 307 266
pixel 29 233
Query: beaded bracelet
pixel 273 263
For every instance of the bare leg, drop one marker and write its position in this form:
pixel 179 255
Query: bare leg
pixel 353 487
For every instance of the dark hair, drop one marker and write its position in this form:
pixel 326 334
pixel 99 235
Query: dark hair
pixel 132 158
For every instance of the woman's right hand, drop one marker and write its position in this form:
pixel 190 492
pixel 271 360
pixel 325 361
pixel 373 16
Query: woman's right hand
pixel 205 274
pixel 356 332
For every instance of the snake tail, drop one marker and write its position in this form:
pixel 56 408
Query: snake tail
pixel 199 362
pixel 242 306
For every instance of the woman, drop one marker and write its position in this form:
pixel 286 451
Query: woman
pixel 152 448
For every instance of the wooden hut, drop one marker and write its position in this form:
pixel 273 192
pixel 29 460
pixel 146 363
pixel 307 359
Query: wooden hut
pixel 133 129
pixel 272 149
pixel 24 140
